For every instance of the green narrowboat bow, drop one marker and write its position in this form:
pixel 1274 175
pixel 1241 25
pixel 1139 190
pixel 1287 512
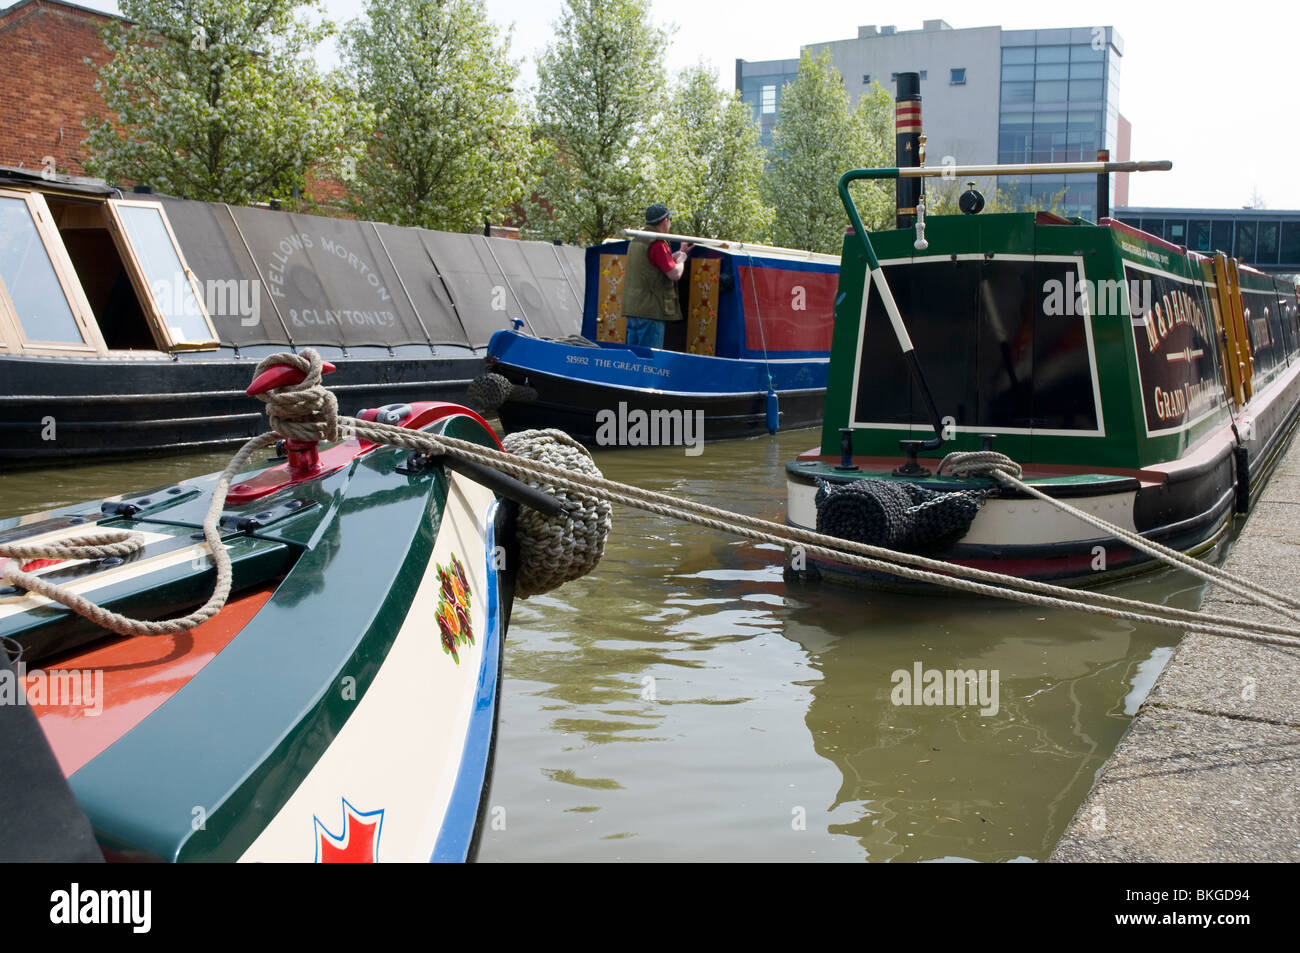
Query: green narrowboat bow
pixel 1132 378
pixel 341 706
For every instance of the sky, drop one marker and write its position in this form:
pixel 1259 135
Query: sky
pixel 1211 87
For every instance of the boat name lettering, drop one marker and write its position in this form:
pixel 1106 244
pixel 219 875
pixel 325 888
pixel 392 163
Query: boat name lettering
pixel 292 244
pixel 284 251
pixel 309 316
pixel 1173 405
pixel 1173 309
pixel 360 267
pixel 1138 251
pixel 636 367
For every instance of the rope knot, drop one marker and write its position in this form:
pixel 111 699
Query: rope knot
pixel 302 411
pixel 979 463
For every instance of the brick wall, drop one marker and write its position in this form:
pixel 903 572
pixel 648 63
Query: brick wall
pixel 48 88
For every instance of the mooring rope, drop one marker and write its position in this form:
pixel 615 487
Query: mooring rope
pixel 307 411
pixel 1007 472
pixel 106 543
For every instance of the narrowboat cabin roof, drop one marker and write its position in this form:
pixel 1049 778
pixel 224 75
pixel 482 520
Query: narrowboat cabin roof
pixel 150 276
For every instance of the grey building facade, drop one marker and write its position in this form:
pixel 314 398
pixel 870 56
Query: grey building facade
pixel 759 84
pixel 988 95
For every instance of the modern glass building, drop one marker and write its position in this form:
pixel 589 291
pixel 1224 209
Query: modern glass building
pixel 989 95
pixel 760 85
pixel 1058 102
pixel 1266 238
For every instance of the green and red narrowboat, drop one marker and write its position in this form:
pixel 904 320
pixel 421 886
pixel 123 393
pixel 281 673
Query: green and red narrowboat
pixel 1135 379
pixel 340 707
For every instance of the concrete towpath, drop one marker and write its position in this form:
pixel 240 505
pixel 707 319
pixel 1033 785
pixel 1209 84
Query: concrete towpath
pixel 1209 769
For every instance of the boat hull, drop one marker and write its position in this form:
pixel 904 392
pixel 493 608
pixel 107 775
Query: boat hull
pixel 596 395
pixel 1188 506
pixel 342 706
pixel 59 409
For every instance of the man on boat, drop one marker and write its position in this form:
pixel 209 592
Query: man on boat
pixel 650 295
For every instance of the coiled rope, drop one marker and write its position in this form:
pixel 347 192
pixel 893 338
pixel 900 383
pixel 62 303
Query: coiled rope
pixel 292 418
pixel 554 550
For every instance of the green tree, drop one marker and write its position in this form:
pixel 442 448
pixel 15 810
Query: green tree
pixel 817 138
pixel 451 147
pixel 598 85
pixel 941 195
pixel 218 100
pixel 711 162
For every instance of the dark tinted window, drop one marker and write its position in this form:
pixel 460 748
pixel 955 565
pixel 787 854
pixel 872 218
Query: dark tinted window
pixel 1290 243
pixel 1266 247
pixel 1245 245
pixel 1221 240
pixel 1198 234
pixel 1030 368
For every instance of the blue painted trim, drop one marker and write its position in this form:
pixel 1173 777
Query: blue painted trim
pixel 619 367
pixel 458 823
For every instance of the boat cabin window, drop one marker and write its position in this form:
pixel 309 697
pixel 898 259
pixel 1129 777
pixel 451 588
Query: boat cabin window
pixel 37 285
pixel 168 284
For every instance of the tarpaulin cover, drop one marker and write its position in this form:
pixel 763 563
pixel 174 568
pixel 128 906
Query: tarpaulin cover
pixel 330 278
pixel 551 301
pixel 325 281
pixel 215 253
pixel 424 286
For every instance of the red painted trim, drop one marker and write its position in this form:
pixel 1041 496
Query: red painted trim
pixel 285 475
pixel 139 675
pixel 1032 471
pixel 1050 218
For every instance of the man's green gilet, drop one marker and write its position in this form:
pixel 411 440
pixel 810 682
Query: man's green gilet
pixel 648 292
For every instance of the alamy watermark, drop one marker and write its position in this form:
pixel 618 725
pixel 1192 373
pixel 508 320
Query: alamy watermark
pixel 953 687
pixel 232 298
pixel 650 428
pixel 56 688
pixel 1104 298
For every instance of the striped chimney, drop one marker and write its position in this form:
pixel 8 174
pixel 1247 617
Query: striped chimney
pixel 907 141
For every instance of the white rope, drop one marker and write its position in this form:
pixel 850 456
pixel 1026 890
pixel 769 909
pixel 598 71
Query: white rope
pixel 1007 472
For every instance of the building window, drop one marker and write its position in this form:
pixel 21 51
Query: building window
pixel 958 77
pixel 893 77
pixel 866 79
pixel 768 100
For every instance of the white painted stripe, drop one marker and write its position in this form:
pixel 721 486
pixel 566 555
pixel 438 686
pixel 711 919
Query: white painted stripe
pixel 891 309
pixel 100 579
pixel 400 751
pixel 1026 522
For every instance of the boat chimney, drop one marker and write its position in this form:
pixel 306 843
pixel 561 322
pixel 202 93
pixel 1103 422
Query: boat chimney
pixel 907 144
pixel 1103 187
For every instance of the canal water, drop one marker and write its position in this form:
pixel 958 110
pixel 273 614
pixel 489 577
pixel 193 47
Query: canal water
pixel 684 703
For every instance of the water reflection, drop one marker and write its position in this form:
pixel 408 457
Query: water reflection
pixel 730 716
